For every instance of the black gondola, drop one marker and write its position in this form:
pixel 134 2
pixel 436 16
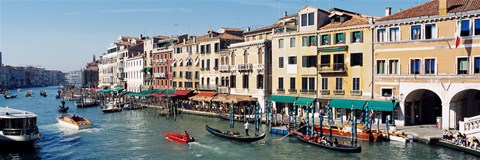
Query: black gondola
pixel 9 96
pixel 340 148
pixel 57 97
pixel 62 109
pixel 219 133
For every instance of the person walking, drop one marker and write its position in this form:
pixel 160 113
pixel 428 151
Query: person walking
pixel 246 129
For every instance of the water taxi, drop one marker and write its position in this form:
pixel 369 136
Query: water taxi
pixel 17 126
pixel 74 121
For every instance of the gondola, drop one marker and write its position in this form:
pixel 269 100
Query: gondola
pixel 219 133
pixel 9 96
pixel 62 109
pixel 340 148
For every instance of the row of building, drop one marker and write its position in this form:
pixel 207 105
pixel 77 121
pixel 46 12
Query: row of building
pixel 406 64
pixel 28 76
pixel 84 78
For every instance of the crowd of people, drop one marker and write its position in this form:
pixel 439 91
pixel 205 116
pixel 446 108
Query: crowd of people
pixel 462 139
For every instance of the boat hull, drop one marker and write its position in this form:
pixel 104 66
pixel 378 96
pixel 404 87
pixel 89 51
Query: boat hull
pixel 20 138
pixel 340 148
pixel 371 136
pixel 176 137
pixel 219 133
pixel 73 126
pixel 111 110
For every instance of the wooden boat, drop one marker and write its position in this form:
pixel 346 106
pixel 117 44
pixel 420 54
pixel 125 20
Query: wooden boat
pixel 219 133
pixel 362 133
pixel 177 137
pixel 86 103
pixel 7 96
pixel 28 94
pixel 110 108
pixel 339 147
pixel 74 121
pixel 62 109
pixel 43 93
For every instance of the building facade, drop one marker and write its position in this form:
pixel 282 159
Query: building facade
pixel 418 64
pixel 74 78
pixel 162 60
pixel 90 74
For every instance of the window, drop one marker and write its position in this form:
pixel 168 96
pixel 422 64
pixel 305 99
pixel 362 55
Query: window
pixel 292 83
pixel 387 92
pixel 292 42
pixel 304 19
pixel 381 35
pixel 215 64
pixel 462 65
pixel 325 39
pixel 313 40
pixel 476 63
pixel 217 47
pixel 393 67
pixel 465 31
pixel 245 81
pixel 280 82
pixel 338 84
pixel 356 84
pixel 259 81
pixel 181 74
pixel 429 66
pixel 338 62
pixel 208 48
pixel 245 57
pixel 357 37
pixel 381 67
pixel 180 84
pixel 324 83
pixel 325 61
pixel 309 61
pixel 189 49
pixel 340 38
pixel 174 74
pixel 280 43
pixel 430 31
pixel 415 66
pixel 477 27
pixel 305 41
pixel 202 49
pixel 308 84
pixel 280 62
pixel 179 50
pixel 311 19
pixel 203 64
pixel 416 32
pixel 356 59
pixel 197 74
pixel 233 81
pixel 394 34
pixel 174 84
pixel 292 60
pixel 208 64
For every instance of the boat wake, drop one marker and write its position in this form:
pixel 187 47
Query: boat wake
pixel 214 149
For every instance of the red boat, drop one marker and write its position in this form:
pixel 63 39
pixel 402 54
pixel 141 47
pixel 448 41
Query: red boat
pixel 371 136
pixel 178 137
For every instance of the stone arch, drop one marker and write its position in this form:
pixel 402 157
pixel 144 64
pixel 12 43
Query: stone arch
pixel 422 106
pixel 463 104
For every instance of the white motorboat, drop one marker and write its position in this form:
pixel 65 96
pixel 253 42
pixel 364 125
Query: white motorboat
pixel 74 121
pixel 17 126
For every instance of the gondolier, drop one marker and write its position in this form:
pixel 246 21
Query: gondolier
pixel 246 129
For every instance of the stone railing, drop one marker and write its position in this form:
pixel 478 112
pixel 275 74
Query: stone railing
pixel 159 75
pixel 245 67
pixel 470 126
pixel 224 68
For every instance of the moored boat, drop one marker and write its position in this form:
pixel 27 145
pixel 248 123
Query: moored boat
pixel 331 146
pixel 86 103
pixel 18 127
pixel 178 137
pixel 237 138
pixel 110 108
pixel 74 121
pixel 362 133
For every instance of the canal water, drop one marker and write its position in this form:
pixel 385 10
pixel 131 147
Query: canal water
pixel 138 134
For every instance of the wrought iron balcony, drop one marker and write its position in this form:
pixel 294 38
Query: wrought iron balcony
pixel 292 91
pixel 280 90
pixel 245 67
pixel 332 68
pixel 325 92
pixel 339 92
pixel 224 68
pixel 308 91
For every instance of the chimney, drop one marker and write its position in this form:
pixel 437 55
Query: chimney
pixel 184 40
pixel 370 20
pixel 194 38
pixel 442 7
pixel 285 13
pixel 388 11
pixel 248 29
pixel 141 36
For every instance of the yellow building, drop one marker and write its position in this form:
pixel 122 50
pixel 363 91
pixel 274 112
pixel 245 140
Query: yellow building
pixel 418 64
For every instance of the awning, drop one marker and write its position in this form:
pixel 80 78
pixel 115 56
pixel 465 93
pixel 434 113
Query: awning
pixel 143 94
pixel 180 62
pixel 168 91
pixel 203 96
pixel 186 62
pixel 104 90
pixel 161 95
pixel 149 69
pixel 156 91
pixel 103 87
pixel 220 98
pixel 182 93
pixel 282 99
pixel 334 49
pixel 240 98
pixel 381 105
pixel 304 101
pixel 347 103
pixel 117 89
pixel 143 70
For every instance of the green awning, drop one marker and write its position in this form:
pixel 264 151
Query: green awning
pixel 143 70
pixel 304 101
pixel 282 99
pixel 336 49
pixel 157 91
pixel 347 103
pixel 168 91
pixel 117 89
pixel 381 105
pixel 104 90
pixel 143 93
pixel 149 69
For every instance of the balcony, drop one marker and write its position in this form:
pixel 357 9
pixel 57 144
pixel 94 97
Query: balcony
pixel 332 68
pixel 292 91
pixel 339 92
pixel 207 87
pixel 224 90
pixel 224 68
pixel 159 75
pixel 281 90
pixel 356 93
pixel 245 67
pixel 325 92
pixel 308 91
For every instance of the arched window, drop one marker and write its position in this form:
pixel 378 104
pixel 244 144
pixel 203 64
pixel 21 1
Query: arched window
pixel 260 56
pixel 216 81
pixel 208 81
pixel 203 82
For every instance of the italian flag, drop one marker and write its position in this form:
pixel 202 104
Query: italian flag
pixel 457 33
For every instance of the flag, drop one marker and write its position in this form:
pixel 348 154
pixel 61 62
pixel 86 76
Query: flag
pixel 457 33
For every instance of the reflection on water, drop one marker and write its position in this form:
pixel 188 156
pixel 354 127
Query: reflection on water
pixel 138 134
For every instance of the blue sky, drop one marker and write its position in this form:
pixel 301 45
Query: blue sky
pixel 64 34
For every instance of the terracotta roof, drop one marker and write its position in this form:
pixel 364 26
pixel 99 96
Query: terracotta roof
pixel 431 9
pixel 289 16
pixel 355 20
pixel 206 37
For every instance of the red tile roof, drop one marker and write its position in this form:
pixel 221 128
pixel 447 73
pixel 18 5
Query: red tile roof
pixel 355 20
pixel 431 9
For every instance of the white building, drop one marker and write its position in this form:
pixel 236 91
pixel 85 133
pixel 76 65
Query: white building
pixel 74 78
pixel 134 75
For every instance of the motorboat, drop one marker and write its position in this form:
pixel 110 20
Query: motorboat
pixel 8 96
pixel 43 93
pixel 177 137
pixel 28 94
pixel 110 108
pixel 18 126
pixel 74 121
